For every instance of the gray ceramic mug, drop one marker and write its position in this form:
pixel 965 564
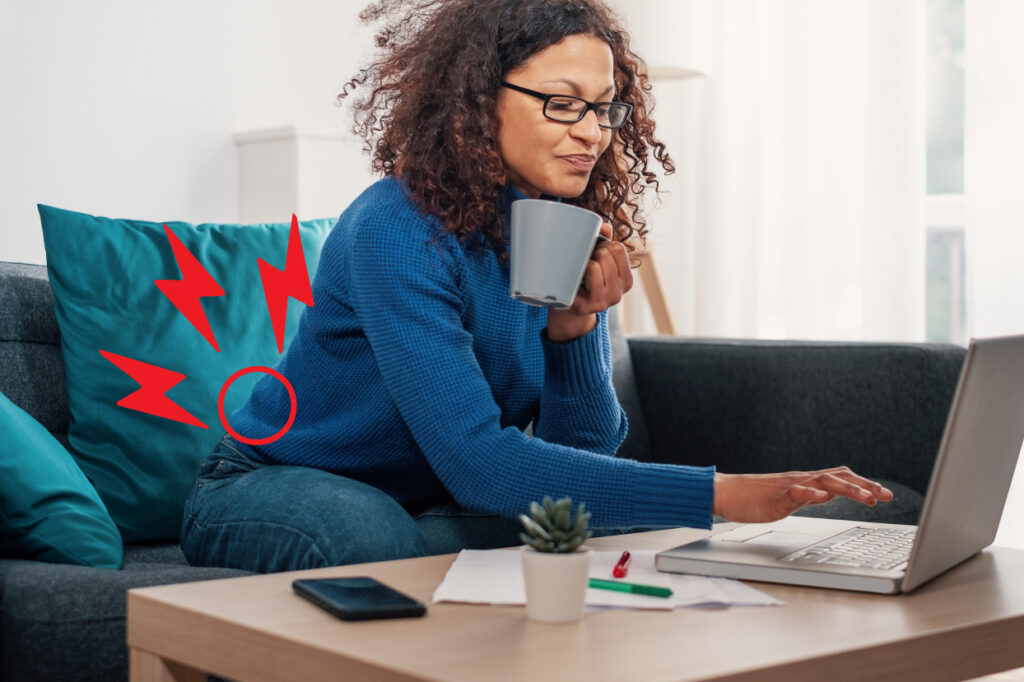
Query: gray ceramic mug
pixel 551 245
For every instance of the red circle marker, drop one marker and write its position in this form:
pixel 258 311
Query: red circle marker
pixel 249 370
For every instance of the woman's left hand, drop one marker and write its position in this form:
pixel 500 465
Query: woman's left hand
pixel 606 279
pixel 760 498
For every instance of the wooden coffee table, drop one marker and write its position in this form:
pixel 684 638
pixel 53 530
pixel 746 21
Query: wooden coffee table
pixel 966 623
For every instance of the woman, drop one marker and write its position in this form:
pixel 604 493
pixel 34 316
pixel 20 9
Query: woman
pixel 415 373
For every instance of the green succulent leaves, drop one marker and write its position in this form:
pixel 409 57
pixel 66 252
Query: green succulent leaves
pixel 552 527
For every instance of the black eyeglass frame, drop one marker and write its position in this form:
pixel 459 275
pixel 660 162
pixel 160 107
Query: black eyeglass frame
pixel 587 106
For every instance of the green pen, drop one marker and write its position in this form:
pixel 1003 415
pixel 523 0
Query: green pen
pixel 634 588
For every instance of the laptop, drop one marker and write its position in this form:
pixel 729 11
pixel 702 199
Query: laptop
pixel 968 488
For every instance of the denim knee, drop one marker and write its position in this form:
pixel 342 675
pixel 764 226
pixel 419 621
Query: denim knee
pixel 448 529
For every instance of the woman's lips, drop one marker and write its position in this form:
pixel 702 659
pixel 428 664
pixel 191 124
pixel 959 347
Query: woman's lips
pixel 580 162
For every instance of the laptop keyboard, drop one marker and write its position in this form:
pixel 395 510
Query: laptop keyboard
pixel 881 548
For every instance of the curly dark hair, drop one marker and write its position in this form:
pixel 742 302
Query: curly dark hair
pixel 429 116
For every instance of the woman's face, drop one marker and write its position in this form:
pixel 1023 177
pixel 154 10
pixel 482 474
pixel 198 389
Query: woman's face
pixel 545 156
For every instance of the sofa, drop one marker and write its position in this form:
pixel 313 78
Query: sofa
pixel 743 405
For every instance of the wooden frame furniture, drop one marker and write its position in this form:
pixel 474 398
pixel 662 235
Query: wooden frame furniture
pixel 965 623
pixel 654 292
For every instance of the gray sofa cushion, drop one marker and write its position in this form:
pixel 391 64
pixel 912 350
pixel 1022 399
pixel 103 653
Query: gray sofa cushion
pixel 32 371
pixel 763 406
pixel 637 443
pixel 68 622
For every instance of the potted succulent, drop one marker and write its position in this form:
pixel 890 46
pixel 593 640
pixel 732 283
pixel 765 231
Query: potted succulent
pixel 556 565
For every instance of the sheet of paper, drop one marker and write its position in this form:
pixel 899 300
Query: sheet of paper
pixel 496 577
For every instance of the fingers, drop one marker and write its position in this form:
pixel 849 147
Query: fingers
pixel 849 486
pixel 876 489
pixel 595 279
pixel 615 265
pixel 607 276
pixel 838 486
pixel 797 497
pixel 625 273
pixel 606 230
pixel 807 495
pixel 844 473
pixel 604 280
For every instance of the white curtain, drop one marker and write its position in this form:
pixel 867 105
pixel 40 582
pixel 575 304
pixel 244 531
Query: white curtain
pixel 798 208
pixel 994 191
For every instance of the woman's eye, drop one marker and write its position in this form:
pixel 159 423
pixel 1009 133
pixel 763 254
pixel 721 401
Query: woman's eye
pixel 563 105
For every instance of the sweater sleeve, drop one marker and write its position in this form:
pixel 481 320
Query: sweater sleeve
pixel 578 406
pixel 405 291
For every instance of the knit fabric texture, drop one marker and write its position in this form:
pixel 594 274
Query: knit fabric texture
pixel 415 372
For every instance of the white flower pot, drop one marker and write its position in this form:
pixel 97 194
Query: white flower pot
pixel 556 584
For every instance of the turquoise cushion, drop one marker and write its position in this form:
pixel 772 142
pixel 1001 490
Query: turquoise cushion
pixel 48 509
pixel 102 272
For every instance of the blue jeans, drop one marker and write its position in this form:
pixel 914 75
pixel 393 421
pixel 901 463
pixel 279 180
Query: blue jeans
pixel 269 518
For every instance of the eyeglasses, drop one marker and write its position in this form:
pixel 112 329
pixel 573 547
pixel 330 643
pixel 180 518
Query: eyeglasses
pixel 568 109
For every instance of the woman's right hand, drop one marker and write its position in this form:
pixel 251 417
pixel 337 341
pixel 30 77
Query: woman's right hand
pixel 760 498
pixel 606 280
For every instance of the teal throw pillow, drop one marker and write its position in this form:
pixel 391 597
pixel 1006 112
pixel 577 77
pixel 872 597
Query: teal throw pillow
pixel 48 509
pixel 103 273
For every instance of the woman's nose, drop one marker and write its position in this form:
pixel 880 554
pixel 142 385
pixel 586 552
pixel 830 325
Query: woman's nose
pixel 586 128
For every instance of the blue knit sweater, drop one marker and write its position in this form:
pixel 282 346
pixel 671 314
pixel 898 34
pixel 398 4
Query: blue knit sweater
pixel 416 373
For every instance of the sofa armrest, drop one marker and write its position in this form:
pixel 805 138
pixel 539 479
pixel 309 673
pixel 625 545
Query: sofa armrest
pixel 763 406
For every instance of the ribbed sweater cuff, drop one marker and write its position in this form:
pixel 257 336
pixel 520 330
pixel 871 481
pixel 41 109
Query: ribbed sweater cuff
pixel 674 495
pixel 575 367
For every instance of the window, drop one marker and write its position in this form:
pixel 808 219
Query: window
pixel 945 290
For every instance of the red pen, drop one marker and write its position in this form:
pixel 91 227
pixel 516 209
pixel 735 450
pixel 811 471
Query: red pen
pixel 622 567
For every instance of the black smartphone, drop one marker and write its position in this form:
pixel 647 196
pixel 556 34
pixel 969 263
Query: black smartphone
pixel 359 598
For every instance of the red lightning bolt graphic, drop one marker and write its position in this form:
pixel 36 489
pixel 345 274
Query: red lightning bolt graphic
pixel 154 382
pixel 279 285
pixel 194 284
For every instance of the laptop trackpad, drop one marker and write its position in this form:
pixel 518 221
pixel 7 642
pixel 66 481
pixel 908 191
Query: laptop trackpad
pixel 782 539
pixel 760 536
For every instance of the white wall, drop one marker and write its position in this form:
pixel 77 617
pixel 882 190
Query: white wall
pixel 128 109
pixel 655 27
